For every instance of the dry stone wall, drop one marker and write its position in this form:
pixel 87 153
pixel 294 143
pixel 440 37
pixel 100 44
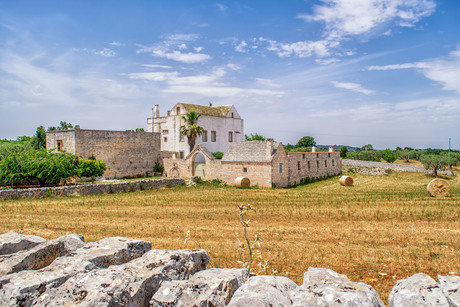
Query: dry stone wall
pixel 87 189
pixel 119 271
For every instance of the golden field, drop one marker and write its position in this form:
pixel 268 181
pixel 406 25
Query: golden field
pixel 382 229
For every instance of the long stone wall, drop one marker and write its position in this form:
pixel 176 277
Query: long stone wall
pixel 87 189
pixel 398 167
pixel 119 271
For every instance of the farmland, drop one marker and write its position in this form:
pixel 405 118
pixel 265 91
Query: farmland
pixel 382 229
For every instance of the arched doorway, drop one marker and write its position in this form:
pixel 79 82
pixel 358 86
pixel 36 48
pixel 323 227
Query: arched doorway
pixel 199 165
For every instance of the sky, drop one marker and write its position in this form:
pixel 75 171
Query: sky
pixel 354 72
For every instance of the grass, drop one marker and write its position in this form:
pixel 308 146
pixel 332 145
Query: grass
pixel 382 229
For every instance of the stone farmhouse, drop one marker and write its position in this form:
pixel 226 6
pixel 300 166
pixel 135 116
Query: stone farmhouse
pixel 134 154
pixel 222 126
pixel 265 163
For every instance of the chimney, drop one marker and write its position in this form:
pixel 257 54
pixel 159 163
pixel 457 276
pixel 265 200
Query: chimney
pixel 156 111
pixel 313 149
pixel 331 149
pixel 269 147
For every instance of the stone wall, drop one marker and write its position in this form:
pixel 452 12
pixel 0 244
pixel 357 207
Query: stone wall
pixel 280 173
pixel 313 165
pixel 258 172
pixel 87 189
pixel 126 154
pixel 119 271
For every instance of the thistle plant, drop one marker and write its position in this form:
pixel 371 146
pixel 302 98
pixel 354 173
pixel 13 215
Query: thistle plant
pixel 244 211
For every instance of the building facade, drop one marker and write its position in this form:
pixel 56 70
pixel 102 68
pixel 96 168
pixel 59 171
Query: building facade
pixel 126 154
pixel 265 163
pixel 222 126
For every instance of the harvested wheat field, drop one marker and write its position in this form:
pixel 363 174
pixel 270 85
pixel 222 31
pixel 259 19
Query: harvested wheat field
pixel 381 229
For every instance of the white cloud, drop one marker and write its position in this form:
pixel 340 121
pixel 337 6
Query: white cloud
pixel 355 87
pixel 233 66
pixel 115 43
pixel 221 7
pixel 240 46
pixel 183 37
pixel 156 66
pixel 301 49
pixel 355 17
pixel 182 46
pixel 106 52
pixel 267 82
pixel 198 49
pixel 445 70
pixel 178 56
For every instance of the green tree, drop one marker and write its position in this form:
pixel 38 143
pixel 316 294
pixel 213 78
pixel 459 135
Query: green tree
pixel 63 125
pixel 389 156
pixel 306 141
pixel 91 168
pixel 39 139
pixel 254 137
pixel 367 147
pixel 343 152
pixel 218 155
pixel 191 129
pixel 435 162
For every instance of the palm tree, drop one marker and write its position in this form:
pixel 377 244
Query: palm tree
pixel 191 128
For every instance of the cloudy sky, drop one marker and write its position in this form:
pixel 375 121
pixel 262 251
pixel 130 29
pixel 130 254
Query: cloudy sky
pixel 385 72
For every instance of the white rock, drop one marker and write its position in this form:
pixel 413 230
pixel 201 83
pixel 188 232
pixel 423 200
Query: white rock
pixel 12 242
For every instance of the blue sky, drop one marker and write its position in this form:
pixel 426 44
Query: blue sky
pixel 343 71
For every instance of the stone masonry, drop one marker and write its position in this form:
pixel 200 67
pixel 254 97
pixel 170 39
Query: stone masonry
pixel 119 271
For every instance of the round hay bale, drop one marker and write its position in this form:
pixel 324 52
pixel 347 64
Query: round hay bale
pixel 242 182
pixel 438 187
pixel 346 181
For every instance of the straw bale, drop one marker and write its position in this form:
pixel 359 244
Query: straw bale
pixel 438 187
pixel 242 182
pixel 346 181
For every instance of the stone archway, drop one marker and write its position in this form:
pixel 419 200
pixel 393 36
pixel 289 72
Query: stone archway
pixel 199 165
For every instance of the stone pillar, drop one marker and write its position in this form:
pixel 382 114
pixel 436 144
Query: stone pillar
pixel 313 149
pixel 331 149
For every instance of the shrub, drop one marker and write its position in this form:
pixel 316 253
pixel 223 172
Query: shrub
pixel 158 168
pixel 389 156
pixel 91 168
pixel 218 154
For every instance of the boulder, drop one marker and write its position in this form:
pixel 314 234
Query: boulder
pixel 24 287
pixel 41 255
pixel 12 242
pixel 129 284
pixel 450 286
pixel 264 291
pixel 324 287
pixel 213 287
pixel 419 290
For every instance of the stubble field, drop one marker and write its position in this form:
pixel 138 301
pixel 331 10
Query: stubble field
pixel 382 229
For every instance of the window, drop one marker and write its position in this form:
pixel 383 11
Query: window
pixel 245 169
pixel 165 139
pixel 165 132
pixel 232 114
pixel 59 145
pixel 298 165
pixel 204 136
pixel 178 111
pixel 308 164
pixel 333 164
pixel 181 154
pixel 325 163
pixel 230 136
pixel 181 137
pixel 213 136
pixel 303 156
pixel 328 155
pixel 281 168
pixel 317 164
pixel 317 155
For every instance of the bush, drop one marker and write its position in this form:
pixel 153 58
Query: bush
pixel 158 168
pixel 218 154
pixel 91 168
pixel 389 156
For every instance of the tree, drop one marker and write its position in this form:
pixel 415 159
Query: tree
pixel 343 152
pixel 39 139
pixel 91 168
pixel 218 155
pixel 389 156
pixel 191 129
pixel 254 137
pixel 306 141
pixel 367 147
pixel 435 162
pixel 63 125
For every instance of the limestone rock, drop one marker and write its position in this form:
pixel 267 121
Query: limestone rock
pixel 450 286
pixel 419 290
pixel 40 256
pixel 12 242
pixel 130 284
pixel 24 287
pixel 324 287
pixel 264 291
pixel 213 287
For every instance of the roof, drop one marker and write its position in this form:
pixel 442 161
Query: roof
pixel 249 151
pixel 219 111
pixel 202 148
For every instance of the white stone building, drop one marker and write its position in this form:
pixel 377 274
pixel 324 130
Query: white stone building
pixel 222 126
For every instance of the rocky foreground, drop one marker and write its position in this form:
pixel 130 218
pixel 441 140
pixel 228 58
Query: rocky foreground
pixel 125 272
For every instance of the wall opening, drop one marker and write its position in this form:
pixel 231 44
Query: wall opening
pixel 199 165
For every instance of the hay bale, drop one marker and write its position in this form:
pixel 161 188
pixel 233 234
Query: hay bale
pixel 242 182
pixel 346 181
pixel 438 187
